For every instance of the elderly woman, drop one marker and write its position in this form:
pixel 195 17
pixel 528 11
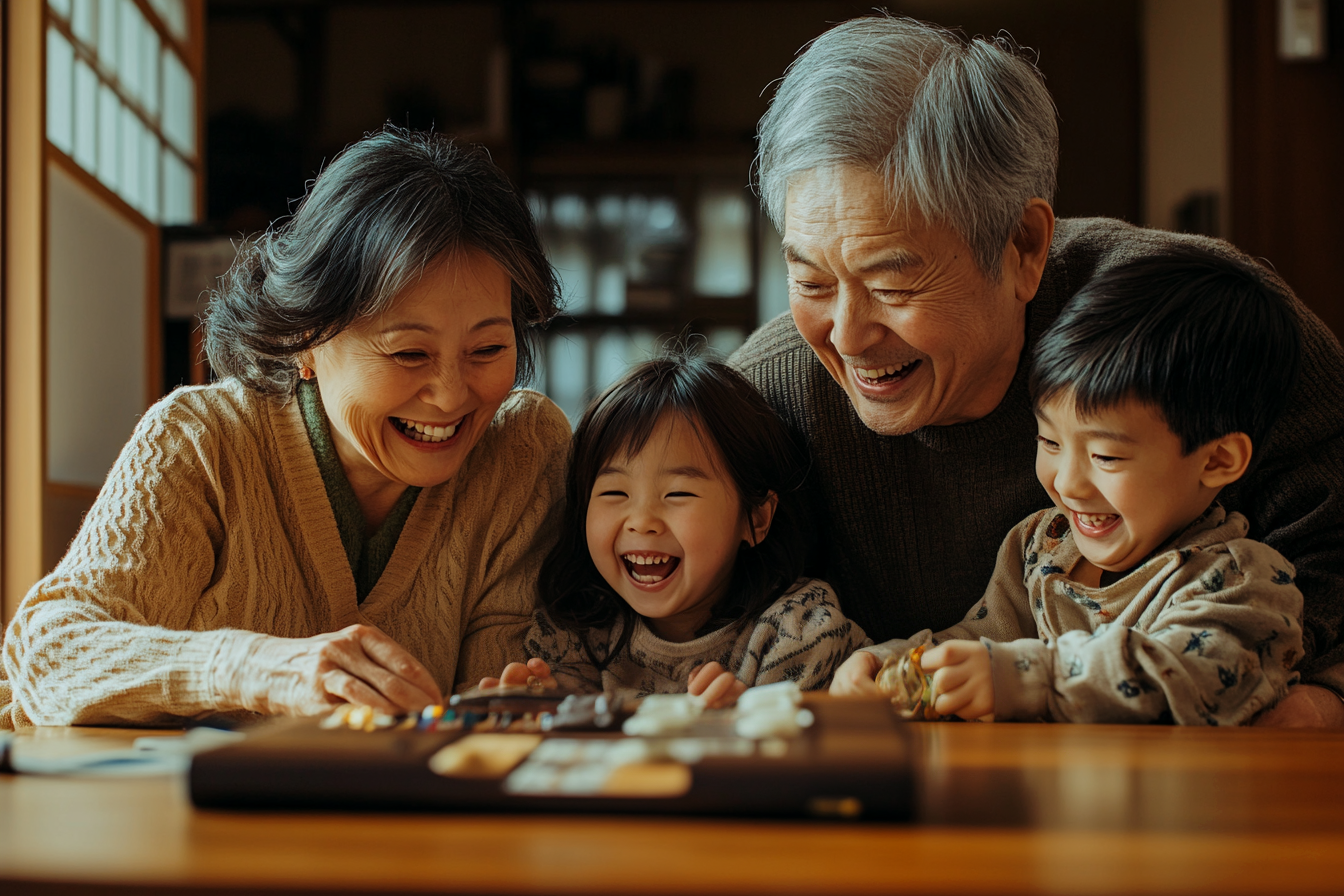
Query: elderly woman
pixel 911 172
pixel 356 510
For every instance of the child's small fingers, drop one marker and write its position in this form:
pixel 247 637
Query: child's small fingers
pixel 489 683
pixel 722 691
pixel 949 678
pixel 702 676
pixel 537 666
pixel 934 658
pixel 948 703
pixel 514 674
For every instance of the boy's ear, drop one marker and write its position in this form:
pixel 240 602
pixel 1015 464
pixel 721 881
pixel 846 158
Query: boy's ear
pixel 1226 459
pixel 759 519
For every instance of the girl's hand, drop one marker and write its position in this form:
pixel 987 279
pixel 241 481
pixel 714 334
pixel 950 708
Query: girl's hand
pixel 855 677
pixel 962 678
pixel 518 674
pixel 715 685
pixel 310 676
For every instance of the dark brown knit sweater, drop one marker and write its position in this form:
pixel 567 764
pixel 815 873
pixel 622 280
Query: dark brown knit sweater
pixel 908 526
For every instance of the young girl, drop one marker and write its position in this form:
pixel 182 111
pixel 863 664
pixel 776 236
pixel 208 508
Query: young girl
pixel 679 562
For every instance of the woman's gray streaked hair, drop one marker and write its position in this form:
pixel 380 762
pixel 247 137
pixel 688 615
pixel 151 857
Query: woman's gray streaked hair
pixel 963 131
pixel 371 222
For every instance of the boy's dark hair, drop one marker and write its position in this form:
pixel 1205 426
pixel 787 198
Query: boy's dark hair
pixel 744 434
pixel 1200 336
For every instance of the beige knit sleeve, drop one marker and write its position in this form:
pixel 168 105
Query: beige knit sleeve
pixel 533 448
pixel 105 637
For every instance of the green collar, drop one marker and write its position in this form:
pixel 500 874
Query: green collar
pixel 368 555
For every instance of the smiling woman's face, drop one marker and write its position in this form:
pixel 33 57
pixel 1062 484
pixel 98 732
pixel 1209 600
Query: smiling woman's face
pixel 410 392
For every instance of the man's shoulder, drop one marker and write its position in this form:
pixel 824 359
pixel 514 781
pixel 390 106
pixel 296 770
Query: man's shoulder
pixel 773 342
pixel 779 362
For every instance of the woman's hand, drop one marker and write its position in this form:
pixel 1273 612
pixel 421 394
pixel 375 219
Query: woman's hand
pixel 309 676
pixel 716 685
pixel 855 677
pixel 963 679
pixel 518 674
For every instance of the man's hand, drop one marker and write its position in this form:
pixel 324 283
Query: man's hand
pixel 309 676
pixel 855 676
pixel 1304 706
pixel 963 679
pixel 518 674
pixel 716 685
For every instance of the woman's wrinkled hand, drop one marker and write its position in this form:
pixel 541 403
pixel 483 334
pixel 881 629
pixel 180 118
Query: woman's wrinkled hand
pixel 855 677
pixel 519 674
pixel 715 685
pixel 309 676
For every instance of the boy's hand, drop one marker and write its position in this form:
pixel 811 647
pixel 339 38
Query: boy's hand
pixel 962 678
pixel 855 677
pixel 516 674
pixel 716 685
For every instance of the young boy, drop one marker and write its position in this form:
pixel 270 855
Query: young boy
pixel 1137 598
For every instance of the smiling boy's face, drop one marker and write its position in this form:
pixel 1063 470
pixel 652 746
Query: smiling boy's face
pixel 1122 478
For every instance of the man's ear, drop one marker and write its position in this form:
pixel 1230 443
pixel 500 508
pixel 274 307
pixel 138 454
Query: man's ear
pixel 1029 248
pixel 759 519
pixel 1225 460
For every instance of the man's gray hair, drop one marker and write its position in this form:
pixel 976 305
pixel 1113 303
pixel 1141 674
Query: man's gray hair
pixel 963 131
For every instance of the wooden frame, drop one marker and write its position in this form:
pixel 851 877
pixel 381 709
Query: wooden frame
pixel 25 298
pixel 31 503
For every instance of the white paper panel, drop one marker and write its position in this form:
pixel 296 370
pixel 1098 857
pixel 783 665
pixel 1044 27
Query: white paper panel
pixel 179 190
pixel 131 128
pixel 86 117
pixel 173 13
pixel 179 104
pixel 96 333
pixel 108 35
pixel 83 21
pixel 60 92
pixel 109 146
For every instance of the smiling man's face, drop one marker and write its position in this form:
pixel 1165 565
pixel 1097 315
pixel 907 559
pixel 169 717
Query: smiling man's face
pixel 896 308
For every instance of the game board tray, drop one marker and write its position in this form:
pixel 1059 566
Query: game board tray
pixel 853 762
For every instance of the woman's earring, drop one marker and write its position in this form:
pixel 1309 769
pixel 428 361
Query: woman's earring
pixel 306 372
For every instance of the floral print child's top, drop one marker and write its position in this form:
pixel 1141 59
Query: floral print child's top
pixel 1205 632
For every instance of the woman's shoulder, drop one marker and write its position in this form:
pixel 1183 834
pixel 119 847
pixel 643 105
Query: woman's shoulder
pixel 521 453
pixel 526 421
pixel 223 409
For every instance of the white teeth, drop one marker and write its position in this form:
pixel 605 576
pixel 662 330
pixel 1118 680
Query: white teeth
pixel 876 373
pixel 1094 519
pixel 428 433
pixel 646 559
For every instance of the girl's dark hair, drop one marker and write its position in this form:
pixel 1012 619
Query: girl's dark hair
pixel 370 224
pixel 756 451
pixel 1199 335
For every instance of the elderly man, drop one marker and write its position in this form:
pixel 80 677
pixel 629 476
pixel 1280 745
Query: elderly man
pixel 911 173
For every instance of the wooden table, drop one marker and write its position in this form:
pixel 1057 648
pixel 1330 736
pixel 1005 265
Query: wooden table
pixel 1004 808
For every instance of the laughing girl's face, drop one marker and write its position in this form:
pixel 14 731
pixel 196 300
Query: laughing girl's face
pixel 664 527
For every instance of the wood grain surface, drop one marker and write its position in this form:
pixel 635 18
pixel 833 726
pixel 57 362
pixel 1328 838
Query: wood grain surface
pixel 1003 809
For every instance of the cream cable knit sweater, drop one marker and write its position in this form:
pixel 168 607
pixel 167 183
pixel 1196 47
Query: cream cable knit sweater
pixel 214 526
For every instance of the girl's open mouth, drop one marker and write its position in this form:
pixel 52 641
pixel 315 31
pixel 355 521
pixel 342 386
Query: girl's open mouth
pixel 650 569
